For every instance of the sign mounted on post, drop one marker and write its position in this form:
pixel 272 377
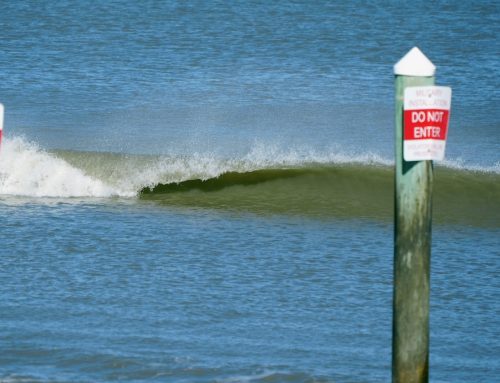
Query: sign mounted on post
pixel 1 122
pixel 426 115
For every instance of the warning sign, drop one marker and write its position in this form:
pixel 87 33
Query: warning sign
pixel 426 115
pixel 1 121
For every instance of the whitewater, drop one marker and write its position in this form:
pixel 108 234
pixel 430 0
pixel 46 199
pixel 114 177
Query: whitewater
pixel 203 191
pixel 30 171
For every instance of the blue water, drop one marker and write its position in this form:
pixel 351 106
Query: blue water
pixel 156 76
pixel 100 285
pixel 103 292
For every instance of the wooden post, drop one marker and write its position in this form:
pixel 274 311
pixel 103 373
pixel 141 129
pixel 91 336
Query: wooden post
pixel 412 239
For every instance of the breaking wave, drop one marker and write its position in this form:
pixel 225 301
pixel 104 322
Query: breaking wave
pixel 265 180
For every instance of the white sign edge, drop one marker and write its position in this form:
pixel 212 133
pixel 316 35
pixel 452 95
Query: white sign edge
pixel 446 90
pixel 1 116
pixel 408 157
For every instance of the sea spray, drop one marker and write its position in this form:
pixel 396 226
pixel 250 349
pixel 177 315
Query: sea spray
pixel 27 170
pixel 132 173
pixel 30 171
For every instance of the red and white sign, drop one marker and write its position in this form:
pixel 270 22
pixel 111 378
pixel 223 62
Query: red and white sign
pixel 426 115
pixel 1 122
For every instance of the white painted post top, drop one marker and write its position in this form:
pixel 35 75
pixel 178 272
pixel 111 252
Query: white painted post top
pixel 414 63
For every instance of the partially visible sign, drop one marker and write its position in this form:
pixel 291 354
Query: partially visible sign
pixel 1 122
pixel 426 115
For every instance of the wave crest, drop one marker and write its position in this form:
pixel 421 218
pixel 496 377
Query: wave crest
pixel 27 170
pixel 30 171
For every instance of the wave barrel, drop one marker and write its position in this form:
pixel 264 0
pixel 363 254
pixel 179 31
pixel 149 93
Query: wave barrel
pixel 412 237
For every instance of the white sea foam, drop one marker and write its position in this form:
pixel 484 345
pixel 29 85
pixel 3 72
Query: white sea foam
pixel 263 376
pixel 208 165
pixel 263 155
pixel 27 170
pixel 460 164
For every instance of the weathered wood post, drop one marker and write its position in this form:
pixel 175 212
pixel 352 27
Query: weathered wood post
pixel 412 242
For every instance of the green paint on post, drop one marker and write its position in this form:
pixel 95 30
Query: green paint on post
pixel 412 241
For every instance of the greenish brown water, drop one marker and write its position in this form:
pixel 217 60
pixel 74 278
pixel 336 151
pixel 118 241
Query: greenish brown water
pixel 335 191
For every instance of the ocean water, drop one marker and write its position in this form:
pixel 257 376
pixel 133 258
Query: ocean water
pixel 202 191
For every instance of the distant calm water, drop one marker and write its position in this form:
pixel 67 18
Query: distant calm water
pixel 202 191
